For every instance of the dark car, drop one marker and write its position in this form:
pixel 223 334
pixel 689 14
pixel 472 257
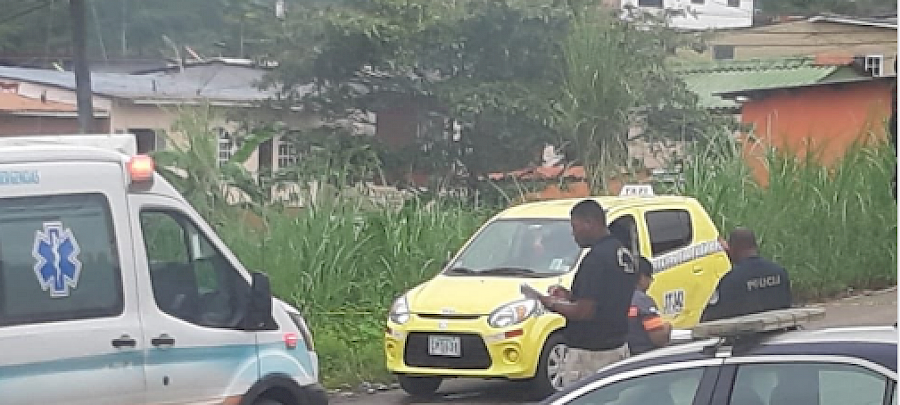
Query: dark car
pixel 762 359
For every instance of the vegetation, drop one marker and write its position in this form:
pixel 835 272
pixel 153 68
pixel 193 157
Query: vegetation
pixel 493 81
pixel 343 262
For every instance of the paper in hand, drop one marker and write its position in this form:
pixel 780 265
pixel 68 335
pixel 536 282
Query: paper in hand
pixel 529 291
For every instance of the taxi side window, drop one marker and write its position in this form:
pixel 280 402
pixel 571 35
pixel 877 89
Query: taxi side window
pixel 677 387
pixel 669 230
pixel 823 384
pixel 58 259
pixel 191 279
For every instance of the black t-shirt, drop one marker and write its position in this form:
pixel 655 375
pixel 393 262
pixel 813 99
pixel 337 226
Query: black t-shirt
pixel 753 285
pixel 606 276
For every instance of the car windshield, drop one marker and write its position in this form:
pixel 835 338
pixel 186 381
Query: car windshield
pixel 533 247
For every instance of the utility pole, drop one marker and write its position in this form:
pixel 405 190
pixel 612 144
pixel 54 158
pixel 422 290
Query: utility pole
pixel 83 89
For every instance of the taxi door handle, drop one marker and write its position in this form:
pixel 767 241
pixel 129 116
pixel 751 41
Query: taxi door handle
pixel 162 340
pixel 697 270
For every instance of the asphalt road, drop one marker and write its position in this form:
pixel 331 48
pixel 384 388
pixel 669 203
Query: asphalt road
pixel 875 308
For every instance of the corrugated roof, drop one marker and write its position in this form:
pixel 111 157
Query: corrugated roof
pixel 707 79
pixel 13 103
pixel 234 84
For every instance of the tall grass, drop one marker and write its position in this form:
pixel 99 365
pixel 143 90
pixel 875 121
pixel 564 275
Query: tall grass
pixel 832 227
pixel 342 263
pixel 342 266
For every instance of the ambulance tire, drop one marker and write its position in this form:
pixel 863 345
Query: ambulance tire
pixel 422 387
pixel 542 385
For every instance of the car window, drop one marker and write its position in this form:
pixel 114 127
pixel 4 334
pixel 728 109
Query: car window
pixel 666 388
pixel 542 246
pixel 669 230
pixel 807 383
pixel 191 279
pixel 58 259
pixel 624 228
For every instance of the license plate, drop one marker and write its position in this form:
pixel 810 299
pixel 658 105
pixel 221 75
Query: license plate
pixel 444 346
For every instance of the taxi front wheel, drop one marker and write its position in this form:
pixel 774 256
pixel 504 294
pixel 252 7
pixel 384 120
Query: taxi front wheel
pixel 420 386
pixel 548 379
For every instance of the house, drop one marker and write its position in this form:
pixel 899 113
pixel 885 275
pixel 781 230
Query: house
pixel 709 79
pixel 145 103
pixel 32 116
pixel 822 118
pixel 697 14
pixel 872 40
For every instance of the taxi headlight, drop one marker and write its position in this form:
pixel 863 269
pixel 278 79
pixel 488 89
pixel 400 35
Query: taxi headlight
pixel 399 313
pixel 512 313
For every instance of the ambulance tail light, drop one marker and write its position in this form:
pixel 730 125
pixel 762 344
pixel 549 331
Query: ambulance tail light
pixel 140 169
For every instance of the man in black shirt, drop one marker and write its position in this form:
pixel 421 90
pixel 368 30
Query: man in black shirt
pixel 753 285
pixel 596 310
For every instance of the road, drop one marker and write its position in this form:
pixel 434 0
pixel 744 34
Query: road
pixel 874 308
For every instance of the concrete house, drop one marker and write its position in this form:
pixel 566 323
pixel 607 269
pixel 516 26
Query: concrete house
pixel 873 41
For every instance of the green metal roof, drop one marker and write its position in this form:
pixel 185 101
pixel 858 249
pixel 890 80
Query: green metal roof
pixel 706 79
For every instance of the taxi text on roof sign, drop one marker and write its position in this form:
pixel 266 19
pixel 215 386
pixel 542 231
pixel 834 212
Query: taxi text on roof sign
pixel 636 190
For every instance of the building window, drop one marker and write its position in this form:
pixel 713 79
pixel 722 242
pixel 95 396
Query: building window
pixel 734 3
pixel 148 140
pixel 723 52
pixel 875 65
pixel 650 3
pixel 698 1
pixel 287 154
pixel 227 146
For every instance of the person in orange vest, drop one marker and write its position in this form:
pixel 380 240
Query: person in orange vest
pixel 646 328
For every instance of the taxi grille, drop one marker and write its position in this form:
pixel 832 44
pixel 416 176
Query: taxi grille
pixel 474 353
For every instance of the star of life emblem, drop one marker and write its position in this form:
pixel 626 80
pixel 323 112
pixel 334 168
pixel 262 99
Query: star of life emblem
pixel 56 259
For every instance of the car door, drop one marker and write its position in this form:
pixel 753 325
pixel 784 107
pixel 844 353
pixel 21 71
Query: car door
pixel 681 383
pixel 800 380
pixel 69 324
pixel 195 298
pixel 682 284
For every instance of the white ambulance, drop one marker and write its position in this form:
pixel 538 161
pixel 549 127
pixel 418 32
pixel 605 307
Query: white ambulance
pixel 113 290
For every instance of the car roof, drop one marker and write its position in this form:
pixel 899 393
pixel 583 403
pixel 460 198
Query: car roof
pixel 877 344
pixel 560 208
pixel 57 153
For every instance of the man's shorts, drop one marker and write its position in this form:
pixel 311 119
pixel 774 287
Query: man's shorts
pixel 580 363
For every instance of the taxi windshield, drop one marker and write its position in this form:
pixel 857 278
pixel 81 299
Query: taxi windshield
pixel 520 247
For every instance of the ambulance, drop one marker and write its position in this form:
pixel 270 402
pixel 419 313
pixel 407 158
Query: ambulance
pixel 113 290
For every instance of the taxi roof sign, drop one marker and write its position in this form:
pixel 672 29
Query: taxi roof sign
pixel 636 190
pixel 757 323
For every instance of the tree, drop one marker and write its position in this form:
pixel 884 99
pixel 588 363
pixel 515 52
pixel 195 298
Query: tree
pixel 484 70
pixel 615 80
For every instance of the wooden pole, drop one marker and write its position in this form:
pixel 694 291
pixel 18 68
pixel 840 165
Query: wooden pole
pixel 82 69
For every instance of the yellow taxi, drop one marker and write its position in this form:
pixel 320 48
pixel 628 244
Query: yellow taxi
pixel 471 319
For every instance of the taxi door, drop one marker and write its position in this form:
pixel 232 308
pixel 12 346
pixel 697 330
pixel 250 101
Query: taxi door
pixel 687 260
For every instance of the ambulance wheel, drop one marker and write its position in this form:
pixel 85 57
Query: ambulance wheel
pixel 548 379
pixel 423 387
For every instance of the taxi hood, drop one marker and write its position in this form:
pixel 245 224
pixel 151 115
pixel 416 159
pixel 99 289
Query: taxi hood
pixel 470 295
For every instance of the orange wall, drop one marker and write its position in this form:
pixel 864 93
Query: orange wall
pixel 827 119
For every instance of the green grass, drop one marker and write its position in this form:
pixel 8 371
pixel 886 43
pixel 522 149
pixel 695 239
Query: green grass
pixel 342 265
pixel 832 228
